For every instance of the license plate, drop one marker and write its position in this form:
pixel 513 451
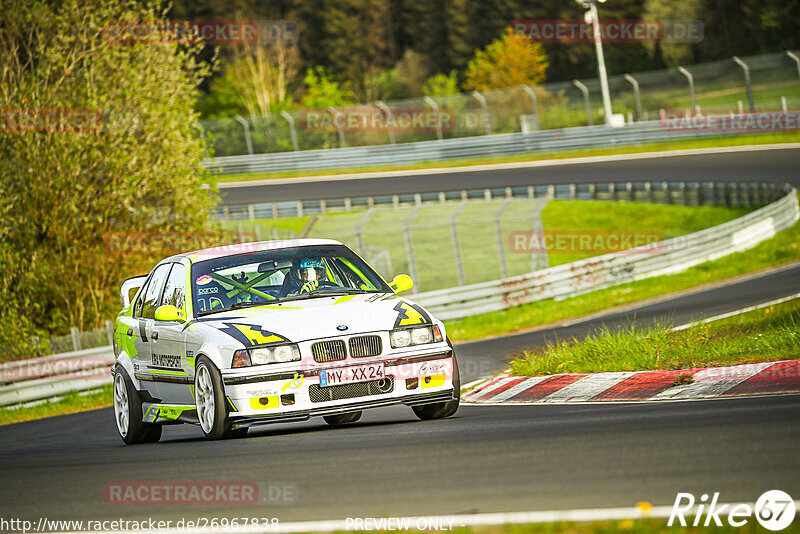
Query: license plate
pixel 347 375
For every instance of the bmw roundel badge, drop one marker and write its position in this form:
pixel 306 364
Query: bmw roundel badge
pixel 341 327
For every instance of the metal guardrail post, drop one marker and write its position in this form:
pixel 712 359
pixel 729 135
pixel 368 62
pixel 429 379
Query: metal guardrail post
pixel 389 123
pixel 636 95
pixel 748 86
pixel 586 103
pixel 248 140
pixel 534 104
pixel 340 127
pixel 76 337
pixel 110 332
pixel 498 231
pixel 690 78
pixel 292 131
pixel 457 246
pixel 432 103
pixel 359 229
pixel 796 60
pixel 487 127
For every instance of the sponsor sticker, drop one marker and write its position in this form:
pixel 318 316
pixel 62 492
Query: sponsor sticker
pixel 203 280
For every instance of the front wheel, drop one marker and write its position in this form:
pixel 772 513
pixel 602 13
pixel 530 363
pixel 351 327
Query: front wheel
pixel 342 419
pixel 209 397
pixel 440 410
pixel 128 412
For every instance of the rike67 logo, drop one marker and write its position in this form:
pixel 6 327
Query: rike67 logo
pixel 774 510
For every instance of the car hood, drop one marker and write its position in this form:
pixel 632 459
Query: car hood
pixel 320 317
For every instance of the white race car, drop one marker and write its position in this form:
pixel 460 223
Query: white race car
pixel 243 335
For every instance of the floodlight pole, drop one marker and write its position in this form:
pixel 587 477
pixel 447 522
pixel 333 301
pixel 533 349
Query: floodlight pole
pixel 591 6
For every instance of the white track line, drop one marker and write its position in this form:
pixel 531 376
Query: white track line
pixel 513 165
pixel 447 522
pixel 737 312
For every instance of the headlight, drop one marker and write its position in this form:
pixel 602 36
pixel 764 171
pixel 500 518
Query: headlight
pixel 421 335
pixel 414 336
pixel 265 355
pixel 400 338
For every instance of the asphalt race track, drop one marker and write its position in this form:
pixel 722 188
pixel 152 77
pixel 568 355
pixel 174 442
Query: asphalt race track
pixel 485 458
pixel 756 165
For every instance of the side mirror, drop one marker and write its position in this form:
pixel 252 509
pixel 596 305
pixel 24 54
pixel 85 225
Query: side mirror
pixel 168 312
pixel 129 289
pixel 401 282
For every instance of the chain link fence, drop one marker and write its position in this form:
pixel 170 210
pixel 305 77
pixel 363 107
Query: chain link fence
pixel 716 86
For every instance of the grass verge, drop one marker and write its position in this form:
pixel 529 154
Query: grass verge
pixel 763 335
pixel 781 249
pixel 70 403
pixel 757 139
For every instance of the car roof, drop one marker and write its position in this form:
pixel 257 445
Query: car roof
pixel 258 246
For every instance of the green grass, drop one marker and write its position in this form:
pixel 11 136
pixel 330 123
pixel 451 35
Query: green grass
pixel 659 220
pixel 433 243
pixel 763 335
pixel 756 139
pixel 70 403
pixel 781 249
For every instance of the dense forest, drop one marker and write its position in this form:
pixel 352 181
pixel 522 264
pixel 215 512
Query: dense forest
pixel 380 49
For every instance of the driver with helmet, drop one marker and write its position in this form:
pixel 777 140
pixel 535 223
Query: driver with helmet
pixel 306 275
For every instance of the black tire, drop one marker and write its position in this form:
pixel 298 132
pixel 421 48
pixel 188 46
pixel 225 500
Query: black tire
pixel 212 410
pixel 440 410
pixel 342 419
pixel 127 401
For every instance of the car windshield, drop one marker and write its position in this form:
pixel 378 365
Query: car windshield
pixel 270 276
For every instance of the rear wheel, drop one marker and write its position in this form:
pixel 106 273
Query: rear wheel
pixel 209 395
pixel 440 410
pixel 342 419
pixel 128 412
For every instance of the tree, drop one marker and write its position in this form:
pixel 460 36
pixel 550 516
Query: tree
pixel 441 84
pixel 96 140
pixel 673 53
pixel 259 74
pixel 322 92
pixel 507 61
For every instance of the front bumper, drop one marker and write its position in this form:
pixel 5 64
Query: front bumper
pixel 290 395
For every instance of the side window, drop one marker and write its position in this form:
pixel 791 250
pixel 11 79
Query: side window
pixel 137 307
pixel 153 291
pixel 175 289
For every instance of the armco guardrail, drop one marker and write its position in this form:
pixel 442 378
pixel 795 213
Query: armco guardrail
pixel 50 376
pixel 598 272
pixel 448 149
